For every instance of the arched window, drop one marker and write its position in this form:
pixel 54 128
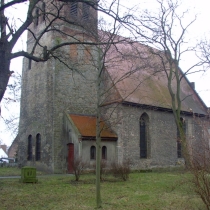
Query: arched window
pixel 144 136
pixel 43 11
pixel 37 17
pixel 104 152
pixel 73 9
pixel 92 152
pixel 85 11
pixel 29 63
pixel 38 147
pixel 179 140
pixel 29 155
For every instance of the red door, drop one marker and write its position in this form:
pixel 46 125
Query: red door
pixel 70 158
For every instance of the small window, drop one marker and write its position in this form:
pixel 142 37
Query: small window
pixel 29 63
pixel 104 152
pixel 29 157
pixel 38 147
pixel 37 17
pixel 93 153
pixel 43 11
pixel 73 9
pixel 85 11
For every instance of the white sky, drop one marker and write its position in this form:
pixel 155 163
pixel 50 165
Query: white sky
pixel 201 28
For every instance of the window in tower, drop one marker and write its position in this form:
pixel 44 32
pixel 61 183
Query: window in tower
pixel 38 147
pixel 74 9
pixel 37 17
pixel 85 11
pixel 29 157
pixel 43 11
pixel 29 63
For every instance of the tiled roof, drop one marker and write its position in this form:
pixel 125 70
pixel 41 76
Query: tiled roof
pixel 86 125
pixel 138 77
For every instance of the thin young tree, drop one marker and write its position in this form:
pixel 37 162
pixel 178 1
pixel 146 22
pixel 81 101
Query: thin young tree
pixel 166 31
pixel 106 40
pixel 113 49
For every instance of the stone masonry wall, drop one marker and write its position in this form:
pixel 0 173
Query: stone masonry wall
pixel 50 88
pixel 37 112
pixel 75 92
pixel 162 136
pixel 162 144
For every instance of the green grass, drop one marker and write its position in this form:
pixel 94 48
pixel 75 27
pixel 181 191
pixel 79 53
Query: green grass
pixel 10 171
pixel 13 171
pixel 145 191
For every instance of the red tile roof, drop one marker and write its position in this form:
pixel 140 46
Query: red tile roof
pixel 86 125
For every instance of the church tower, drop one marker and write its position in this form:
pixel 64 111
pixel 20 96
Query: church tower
pixel 63 84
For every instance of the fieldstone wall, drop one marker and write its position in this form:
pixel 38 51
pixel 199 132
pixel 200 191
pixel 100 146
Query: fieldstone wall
pixel 49 89
pixel 162 140
pixel 37 113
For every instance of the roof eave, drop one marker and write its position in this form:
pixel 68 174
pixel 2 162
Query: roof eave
pixel 145 106
pixel 93 138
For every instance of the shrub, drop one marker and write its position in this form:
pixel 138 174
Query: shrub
pixel 121 170
pixel 78 166
pixel 200 168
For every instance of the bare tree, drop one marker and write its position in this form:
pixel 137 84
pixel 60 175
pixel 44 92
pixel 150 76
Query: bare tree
pixel 200 162
pixel 166 32
pixel 106 55
pixel 11 30
pixel 105 41
pixel 9 119
pixel 53 16
pixel 113 49
pixel 51 12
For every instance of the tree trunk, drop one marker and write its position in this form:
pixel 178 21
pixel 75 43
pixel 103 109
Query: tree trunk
pixel 98 161
pixel 4 68
pixel 98 134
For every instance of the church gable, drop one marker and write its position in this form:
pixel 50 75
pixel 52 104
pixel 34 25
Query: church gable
pixel 80 138
pixel 86 126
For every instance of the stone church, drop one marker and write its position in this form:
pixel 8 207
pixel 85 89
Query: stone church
pixel 60 98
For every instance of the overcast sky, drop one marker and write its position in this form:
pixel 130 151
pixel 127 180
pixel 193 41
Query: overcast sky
pixel 200 28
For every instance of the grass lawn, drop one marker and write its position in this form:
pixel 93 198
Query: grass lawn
pixel 13 171
pixel 145 191
pixel 10 171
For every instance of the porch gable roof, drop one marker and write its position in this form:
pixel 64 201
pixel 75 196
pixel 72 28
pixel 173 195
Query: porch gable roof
pixel 86 126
